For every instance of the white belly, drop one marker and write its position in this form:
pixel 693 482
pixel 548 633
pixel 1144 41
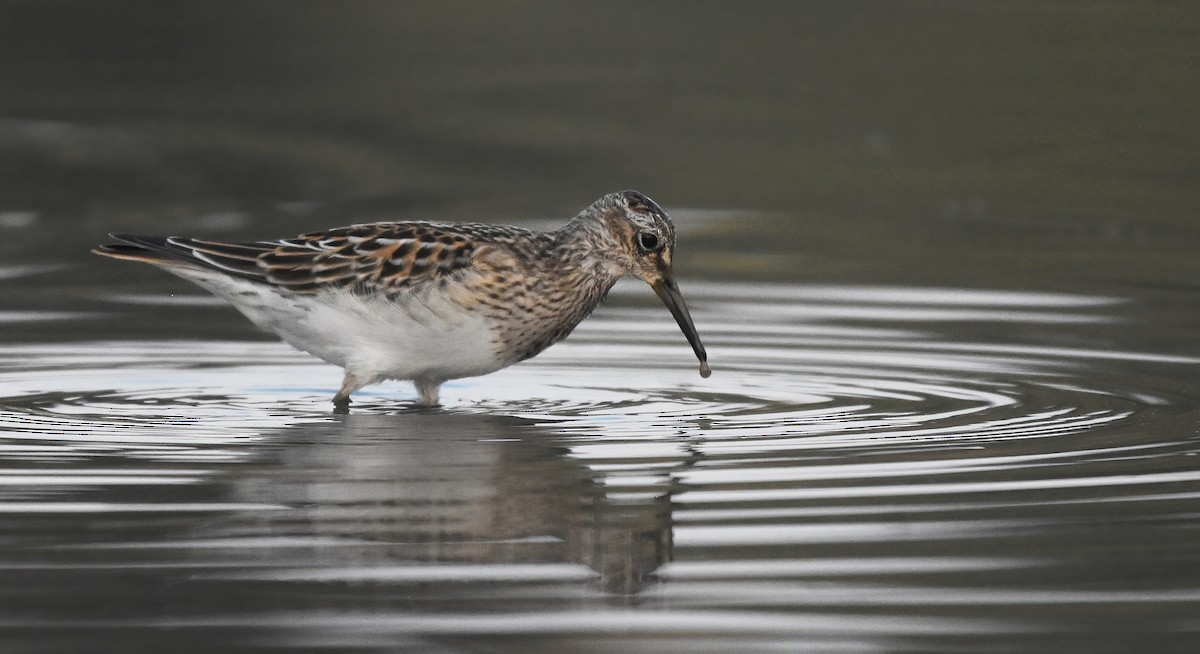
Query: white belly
pixel 427 337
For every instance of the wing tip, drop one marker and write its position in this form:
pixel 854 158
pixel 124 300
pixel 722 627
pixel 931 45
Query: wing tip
pixel 185 252
pixel 129 252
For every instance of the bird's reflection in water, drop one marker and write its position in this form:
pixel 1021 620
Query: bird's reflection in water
pixel 432 496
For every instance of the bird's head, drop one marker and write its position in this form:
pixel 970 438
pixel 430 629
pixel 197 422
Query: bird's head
pixel 636 237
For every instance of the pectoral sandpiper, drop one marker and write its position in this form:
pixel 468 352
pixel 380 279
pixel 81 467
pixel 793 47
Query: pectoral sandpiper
pixel 429 302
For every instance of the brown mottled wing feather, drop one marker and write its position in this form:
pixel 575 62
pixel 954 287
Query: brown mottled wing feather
pixel 387 258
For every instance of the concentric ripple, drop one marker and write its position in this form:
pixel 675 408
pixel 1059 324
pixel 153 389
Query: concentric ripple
pixel 860 370
pixel 858 454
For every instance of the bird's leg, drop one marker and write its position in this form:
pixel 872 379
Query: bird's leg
pixel 428 390
pixel 350 383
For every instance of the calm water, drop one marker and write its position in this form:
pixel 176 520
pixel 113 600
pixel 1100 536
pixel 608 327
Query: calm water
pixel 944 260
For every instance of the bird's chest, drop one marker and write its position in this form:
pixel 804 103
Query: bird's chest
pixel 531 329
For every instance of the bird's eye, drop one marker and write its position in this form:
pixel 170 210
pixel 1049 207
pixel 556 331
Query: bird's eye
pixel 648 241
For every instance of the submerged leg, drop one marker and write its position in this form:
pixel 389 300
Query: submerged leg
pixel 350 383
pixel 428 390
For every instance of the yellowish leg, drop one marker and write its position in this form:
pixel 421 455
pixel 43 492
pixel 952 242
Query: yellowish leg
pixel 350 383
pixel 428 390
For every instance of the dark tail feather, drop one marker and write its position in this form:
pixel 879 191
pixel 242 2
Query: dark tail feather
pixel 138 247
pixel 226 257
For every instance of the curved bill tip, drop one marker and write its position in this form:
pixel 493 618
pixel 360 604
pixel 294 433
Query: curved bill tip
pixel 668 292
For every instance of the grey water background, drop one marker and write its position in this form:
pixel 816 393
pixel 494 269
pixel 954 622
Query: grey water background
pixel 943 255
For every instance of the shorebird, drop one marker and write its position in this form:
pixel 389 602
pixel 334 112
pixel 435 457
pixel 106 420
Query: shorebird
pixel 430 302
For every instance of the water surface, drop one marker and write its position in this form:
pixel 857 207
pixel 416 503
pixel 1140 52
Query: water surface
pixel 858 473
pixel 943 257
